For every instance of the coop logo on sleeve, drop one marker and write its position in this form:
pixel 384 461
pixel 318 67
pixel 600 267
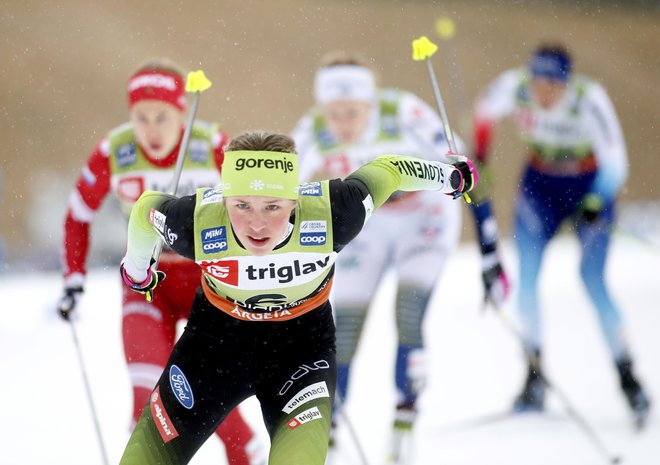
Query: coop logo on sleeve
pixel 310 189
pixel 308 415
pixel 313 232
pixel 311 392
pixel 181 388
pixel 214 239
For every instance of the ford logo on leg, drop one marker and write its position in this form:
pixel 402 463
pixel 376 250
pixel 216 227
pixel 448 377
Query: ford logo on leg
pixel 181 387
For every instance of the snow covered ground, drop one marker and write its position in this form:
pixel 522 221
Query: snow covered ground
pixel 476 369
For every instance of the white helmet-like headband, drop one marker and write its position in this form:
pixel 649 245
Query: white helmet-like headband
pixel 344 82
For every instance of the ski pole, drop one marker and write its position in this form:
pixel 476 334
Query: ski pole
pixel 423 49
pixel 579 419
pixel 88 390
pixel 351 430
pixel 446 30
pixel 635 236
pixel 196 82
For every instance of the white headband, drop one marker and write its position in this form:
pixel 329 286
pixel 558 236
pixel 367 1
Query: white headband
pixel 344 82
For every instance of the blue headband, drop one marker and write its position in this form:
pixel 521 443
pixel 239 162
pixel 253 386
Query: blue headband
pixel 550 64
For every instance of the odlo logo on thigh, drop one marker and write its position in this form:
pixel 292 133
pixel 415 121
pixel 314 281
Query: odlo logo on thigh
pixel 181 388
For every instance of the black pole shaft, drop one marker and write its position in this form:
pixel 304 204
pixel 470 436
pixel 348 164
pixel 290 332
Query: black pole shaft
pixel 99 436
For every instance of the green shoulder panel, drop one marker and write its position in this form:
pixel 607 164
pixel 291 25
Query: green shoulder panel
pixel 126 155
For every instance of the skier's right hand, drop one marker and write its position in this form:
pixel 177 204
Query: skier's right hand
pixel 69 300
pixel 591 208
pixel 145 287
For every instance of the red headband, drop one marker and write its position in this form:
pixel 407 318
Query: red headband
pixel 156 85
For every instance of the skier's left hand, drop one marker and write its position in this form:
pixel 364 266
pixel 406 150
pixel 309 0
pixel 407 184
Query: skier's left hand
pixel 145 287
pixel 590 208
pixel 466 176
pixel 495 279
pixel 68 301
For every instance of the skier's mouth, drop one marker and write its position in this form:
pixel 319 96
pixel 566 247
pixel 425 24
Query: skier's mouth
pixel 258 240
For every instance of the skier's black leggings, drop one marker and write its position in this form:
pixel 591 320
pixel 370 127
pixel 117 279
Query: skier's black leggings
pixel 218 362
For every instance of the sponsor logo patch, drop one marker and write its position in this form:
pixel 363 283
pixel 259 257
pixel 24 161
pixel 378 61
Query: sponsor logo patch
pixel 126 154
pixel 313 232
pixel 257 185
pixel 225 271
pixel 271 271
pixel 310 188
pixel 161 418
pixel 308 415
pixel 283 164
pixel 181 388
pixel 302 371
pixel 152 80
pixel 198 150
pixel 214 239
pixel 130 189
pixel 157 219
pixel 368 203
pixel 311 392
pixel 212 196
pixel 171 236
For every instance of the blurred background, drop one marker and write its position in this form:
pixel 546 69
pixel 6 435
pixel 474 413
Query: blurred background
pixel 65 64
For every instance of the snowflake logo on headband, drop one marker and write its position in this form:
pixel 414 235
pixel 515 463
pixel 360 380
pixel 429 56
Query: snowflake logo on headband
pixel 257 185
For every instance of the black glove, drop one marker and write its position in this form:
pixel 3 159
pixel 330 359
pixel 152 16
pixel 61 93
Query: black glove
pixel 590 208
pixel 147 286
pixel 496 284
pixel 465 178
pixel 69 300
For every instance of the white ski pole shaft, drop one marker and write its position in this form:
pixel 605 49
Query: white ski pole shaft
pixel 176 177
pixel 441 106
pixel 446 29
pixel 423 49
pixel 181 156
pixel 198 83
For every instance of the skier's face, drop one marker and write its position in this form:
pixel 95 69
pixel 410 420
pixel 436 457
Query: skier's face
pixel 259 222
pixel 347 119
pixel 547 92
pixel 157 126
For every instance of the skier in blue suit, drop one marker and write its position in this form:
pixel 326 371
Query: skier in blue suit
pixel 577 164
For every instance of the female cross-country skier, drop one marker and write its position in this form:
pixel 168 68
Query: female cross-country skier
pixel 261 322
pixel 577 163
pixel 130 159
pixel 355 121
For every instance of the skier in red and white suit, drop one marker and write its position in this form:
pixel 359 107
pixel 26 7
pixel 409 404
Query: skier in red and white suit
pixel 137 156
